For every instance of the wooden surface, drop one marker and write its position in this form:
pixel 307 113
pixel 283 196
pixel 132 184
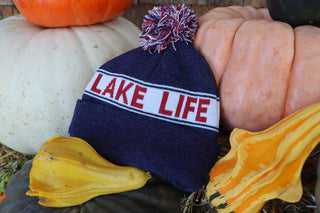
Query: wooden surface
pixel 6 11
pixel 137 11
pixel 6 2
pixel 254 3
pixel 139 8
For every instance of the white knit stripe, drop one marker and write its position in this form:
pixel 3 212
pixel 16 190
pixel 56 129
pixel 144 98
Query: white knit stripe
pixel 157 101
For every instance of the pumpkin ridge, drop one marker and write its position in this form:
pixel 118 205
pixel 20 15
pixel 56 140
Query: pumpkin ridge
pixel 242 11
pixel 202 42
pixel 120 32
pixel 289 80
pixel 81 43
pixel 25 44
pixel 229 55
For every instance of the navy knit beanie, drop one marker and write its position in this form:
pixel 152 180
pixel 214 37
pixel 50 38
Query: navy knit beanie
pixel 156 107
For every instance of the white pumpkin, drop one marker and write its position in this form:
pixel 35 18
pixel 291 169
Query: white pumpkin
pixel 43 71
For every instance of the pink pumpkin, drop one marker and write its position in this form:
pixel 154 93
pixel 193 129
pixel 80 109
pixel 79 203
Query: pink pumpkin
pixel 265 69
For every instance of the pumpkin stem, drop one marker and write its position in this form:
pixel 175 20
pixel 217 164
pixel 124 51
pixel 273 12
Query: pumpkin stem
pixel 196 202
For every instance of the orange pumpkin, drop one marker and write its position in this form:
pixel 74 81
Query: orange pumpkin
pixel 265 69
pixel 63 13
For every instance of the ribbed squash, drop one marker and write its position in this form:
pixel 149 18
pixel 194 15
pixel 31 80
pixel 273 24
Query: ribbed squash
pixel 44 71
pixel 265 69
pixel 265 165
pixel 67 171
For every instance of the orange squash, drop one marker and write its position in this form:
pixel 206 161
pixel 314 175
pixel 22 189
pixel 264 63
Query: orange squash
pixel 2 196
pixel 265 69
pixel 264 165
pixel 63 13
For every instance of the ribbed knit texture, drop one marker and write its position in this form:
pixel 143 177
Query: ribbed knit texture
pixel 154 110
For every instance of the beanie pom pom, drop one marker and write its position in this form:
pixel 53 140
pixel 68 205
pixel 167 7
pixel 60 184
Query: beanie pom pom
pixel 164 25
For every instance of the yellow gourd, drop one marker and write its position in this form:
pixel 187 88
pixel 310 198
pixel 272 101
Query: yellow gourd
pixel 265 165
pixel 67 171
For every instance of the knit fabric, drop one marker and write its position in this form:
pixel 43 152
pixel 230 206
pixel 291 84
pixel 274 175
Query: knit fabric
pixel 156 107
pixel 117 125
